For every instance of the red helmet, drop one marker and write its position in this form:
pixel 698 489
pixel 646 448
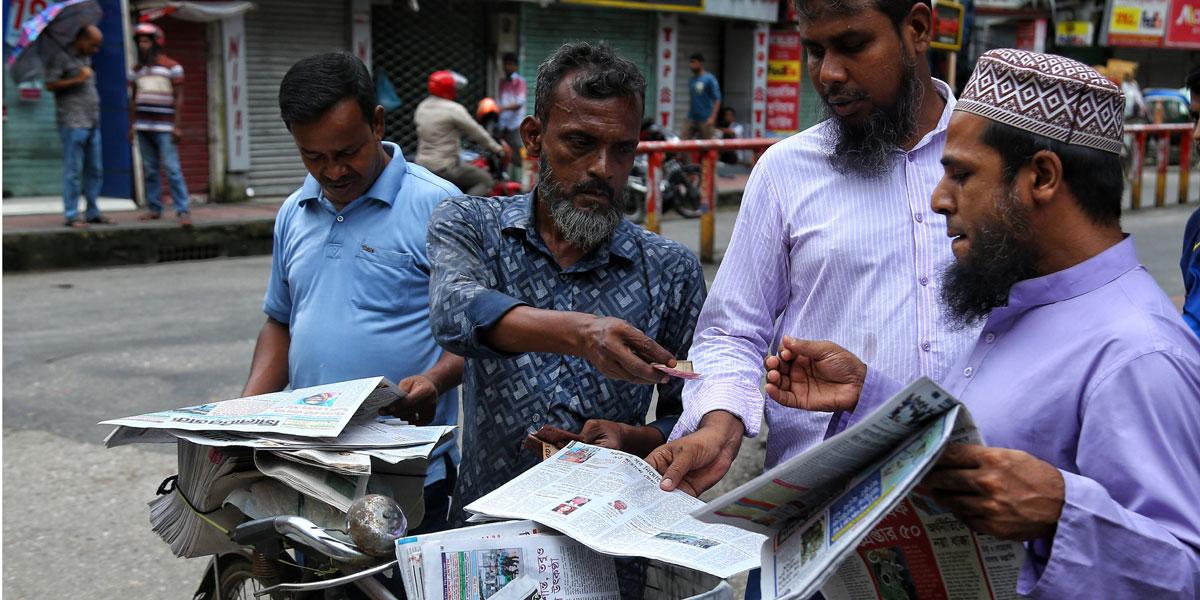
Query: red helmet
pixel 445 84
pixel 152 30
pixel 486 107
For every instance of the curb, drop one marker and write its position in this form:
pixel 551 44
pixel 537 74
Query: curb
pixel 99 247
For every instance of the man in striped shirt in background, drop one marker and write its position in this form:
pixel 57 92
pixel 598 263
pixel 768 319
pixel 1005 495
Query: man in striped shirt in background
pixel 835 240
pixel 157 86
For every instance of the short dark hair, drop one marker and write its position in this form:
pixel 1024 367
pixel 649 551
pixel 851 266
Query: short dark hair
pixel 509 57
pixel 603 74
pixel 1094 176
pixel 1192 82
pixel 319 82
pixel 696 56
pixel 895 10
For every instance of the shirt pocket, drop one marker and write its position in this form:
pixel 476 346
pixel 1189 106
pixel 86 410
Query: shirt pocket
pixel 386 280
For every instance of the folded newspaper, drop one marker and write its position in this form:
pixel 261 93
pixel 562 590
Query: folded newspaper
pixel 314 412
pixel 611 502
pixel 842 519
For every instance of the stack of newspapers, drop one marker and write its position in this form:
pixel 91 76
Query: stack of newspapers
pixel 308 452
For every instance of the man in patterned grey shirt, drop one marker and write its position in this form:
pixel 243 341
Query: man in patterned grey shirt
pixel 77 105
pixel 557 303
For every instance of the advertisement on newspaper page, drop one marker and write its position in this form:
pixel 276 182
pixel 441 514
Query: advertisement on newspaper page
pixel 411 561
pixel 558 568
pixel 610 501
pixel 318 411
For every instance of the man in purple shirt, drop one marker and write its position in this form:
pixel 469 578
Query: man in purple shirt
pixel 1085 382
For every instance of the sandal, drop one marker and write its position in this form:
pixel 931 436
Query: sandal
pixel 101 220
pixel 149 216
pixel 75 224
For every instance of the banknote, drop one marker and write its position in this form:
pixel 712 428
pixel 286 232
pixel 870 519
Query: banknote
pixel 683 369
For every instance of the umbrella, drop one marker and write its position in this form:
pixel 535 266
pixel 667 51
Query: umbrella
pixel 49 33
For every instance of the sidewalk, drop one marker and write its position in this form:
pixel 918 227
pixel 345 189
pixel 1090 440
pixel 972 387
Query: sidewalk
pixel 35 239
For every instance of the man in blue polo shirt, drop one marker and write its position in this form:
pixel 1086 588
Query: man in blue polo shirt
pixel 349 291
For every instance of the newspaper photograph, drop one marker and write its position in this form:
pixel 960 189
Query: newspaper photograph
pixel 561 569
pixel 319 411
pixel 841 519
pixel 411 562
pixel 610 501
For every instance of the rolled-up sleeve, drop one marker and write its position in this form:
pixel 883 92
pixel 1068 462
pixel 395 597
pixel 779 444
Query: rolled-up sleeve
pixel 463 300
pixel 688 292
pixel 734 331
pixel 1130 524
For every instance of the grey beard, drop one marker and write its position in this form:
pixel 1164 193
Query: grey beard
pixel 586 229
pixel 1001 255
pixel 866 149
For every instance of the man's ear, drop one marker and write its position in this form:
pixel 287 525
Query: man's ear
pixel 377 121
pixel 531 135
pixel 1046 171
pixel 919 28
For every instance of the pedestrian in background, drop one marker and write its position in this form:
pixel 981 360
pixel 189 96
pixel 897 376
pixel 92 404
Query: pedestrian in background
pixel 77 103
pixel 512 103
pixel 157 87
pixel 1190 262
pixel 705 101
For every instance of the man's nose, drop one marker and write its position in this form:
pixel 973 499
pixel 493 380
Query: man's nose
pixel 832 70
pixel 336 170
pixel 600 165
pixel 942 201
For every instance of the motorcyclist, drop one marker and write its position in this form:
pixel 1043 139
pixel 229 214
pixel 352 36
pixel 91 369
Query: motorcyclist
pixel 441 124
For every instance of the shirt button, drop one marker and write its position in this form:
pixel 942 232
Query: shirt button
pixel 919 217
pixel 926 346
pixel 924 280
pixel 340 218
pixel 967 372
pixel 989 338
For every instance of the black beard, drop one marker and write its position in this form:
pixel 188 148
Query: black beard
pixel 866 148
pixel 1001 254
pixel 586 229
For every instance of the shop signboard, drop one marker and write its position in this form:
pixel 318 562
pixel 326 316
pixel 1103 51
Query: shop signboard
pixel 947 26
pixel 1074 33
pixel 659 5
pixel 1137 22
pixel 783 82
pixel 1183 24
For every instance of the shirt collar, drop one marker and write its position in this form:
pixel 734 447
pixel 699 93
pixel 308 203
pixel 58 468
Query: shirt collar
pixel 518 215
pixel 385 188
pixel 1078 280
pixel 943 90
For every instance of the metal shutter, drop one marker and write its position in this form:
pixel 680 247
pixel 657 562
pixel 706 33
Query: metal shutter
pixel 187 43
pixel 705 35
pixel 408 46
pixel 279 33
pixel 33 153
pixel 630 32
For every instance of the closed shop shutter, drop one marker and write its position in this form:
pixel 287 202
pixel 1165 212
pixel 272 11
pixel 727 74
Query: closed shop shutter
pixel 705 35
pixel 630 32
pixel 187 44
pixel 408 46
pixel 279 33
pixel 33 154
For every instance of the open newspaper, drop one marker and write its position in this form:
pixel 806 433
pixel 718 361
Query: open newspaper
pixel 611 502
pixel 316 412
pixel 841 517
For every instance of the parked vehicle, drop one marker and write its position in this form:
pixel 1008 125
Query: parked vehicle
pixel 678 187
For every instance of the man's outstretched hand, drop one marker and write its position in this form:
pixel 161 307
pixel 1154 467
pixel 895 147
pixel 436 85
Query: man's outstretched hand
pixel 697 461
pixel 621 351
pixel 815 375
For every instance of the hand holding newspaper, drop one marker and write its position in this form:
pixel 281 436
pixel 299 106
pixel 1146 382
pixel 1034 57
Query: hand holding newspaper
pixel 847 502
pixel 611 502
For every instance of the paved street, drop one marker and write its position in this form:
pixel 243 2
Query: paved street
pixel 82 346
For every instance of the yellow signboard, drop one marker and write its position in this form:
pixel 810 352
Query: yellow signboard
pixel 783 71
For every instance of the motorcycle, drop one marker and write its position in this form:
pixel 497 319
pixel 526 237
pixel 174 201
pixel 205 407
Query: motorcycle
pixel 487 113
pixel 678 187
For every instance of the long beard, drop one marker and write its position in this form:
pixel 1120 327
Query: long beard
pixel 1001 254
pixel 866 148
pixel 586 229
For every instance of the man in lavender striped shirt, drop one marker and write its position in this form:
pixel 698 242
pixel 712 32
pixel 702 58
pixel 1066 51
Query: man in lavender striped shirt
pixel 835 240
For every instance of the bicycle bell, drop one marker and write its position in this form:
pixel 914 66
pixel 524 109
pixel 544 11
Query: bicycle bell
pixel 375 522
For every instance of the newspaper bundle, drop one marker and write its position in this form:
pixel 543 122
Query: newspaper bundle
pixel 841 519
pixel 505 560
pixel 310 452
pixel 611 502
